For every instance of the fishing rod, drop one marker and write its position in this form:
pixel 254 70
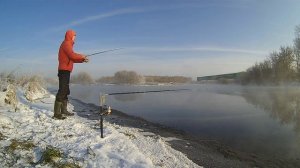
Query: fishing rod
pixel 104 51
pixel 150 91
pixel 106 110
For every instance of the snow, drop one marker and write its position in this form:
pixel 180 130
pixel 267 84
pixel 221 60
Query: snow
pixel 34 91
pixel 78 138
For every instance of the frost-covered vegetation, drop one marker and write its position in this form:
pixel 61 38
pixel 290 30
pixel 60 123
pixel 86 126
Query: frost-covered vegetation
pixel 128 77
pixel 132 77
pixel 82 78
pixel 280 67
pixel 33 87
pixel 123 77
pixel 167 79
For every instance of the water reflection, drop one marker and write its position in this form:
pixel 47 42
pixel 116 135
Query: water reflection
pixel 127 98
pixel 283 104
pixel 84 93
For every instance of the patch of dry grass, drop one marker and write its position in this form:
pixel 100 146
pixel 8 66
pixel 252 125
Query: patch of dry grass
pixel 51 156
pixel 11 96
pixel 130 135
pixel 16 144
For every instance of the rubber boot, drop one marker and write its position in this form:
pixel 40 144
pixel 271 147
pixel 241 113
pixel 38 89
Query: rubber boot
pixel 64 109
pixel 57 111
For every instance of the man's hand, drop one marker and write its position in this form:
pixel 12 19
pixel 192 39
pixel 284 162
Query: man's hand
pixel 85 59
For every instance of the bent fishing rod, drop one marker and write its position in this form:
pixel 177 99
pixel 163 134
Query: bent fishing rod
pixel 106 110
pixel 101 52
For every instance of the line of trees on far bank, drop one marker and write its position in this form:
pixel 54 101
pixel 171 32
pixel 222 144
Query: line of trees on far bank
pixel 128 77
pixel 281 66
pixel 167 79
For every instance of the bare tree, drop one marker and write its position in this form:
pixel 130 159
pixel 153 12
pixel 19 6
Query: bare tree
pixel 128 77
pixel 282 63
pixel 82 78
pixel 278 68
pixel 167 79
pixel 282 66
pixel 297 50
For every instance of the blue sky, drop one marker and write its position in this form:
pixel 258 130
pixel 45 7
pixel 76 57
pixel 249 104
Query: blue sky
pixel 190 38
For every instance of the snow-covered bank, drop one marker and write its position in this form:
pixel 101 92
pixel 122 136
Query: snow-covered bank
pixel 29 132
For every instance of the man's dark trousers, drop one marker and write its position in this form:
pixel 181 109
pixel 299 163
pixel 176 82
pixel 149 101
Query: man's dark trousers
pixel 64 89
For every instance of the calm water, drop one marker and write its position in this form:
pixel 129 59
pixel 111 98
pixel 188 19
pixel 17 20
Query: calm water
pixel 260 120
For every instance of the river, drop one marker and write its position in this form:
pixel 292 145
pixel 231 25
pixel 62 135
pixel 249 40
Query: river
pixel 259 120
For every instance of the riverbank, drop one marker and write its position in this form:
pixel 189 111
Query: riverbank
pixel 31 138
pixel 29 135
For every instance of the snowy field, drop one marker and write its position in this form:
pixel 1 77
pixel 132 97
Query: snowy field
pixel 29 137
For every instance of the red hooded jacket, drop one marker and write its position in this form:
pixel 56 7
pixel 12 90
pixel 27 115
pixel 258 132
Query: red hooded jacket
pixel 66 55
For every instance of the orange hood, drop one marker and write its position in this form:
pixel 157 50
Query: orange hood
pixel 69 35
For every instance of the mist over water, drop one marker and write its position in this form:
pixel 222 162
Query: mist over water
pixel 259 120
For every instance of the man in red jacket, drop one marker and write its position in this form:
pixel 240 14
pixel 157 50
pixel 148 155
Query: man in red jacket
pixel 66 58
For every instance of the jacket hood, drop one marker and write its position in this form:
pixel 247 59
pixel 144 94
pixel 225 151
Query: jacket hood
pixel 69 35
